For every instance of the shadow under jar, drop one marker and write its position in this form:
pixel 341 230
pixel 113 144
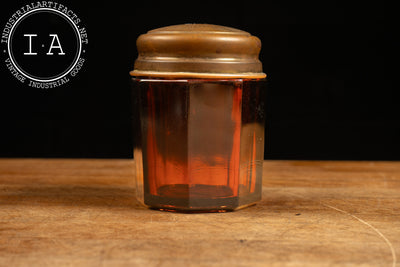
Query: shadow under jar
pixel 199 128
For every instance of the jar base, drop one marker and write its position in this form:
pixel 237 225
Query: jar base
pixel 194 199
pixel 218 210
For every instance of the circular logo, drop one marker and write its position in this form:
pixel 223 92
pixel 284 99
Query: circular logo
pixel 44 43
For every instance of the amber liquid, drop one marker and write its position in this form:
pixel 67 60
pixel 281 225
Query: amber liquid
pixel 194 151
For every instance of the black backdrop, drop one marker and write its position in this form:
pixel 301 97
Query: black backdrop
pixel 331 66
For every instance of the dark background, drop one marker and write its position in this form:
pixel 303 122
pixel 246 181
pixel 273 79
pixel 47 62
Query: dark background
pixel 331 66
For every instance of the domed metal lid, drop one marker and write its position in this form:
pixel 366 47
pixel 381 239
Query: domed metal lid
pixel 198 51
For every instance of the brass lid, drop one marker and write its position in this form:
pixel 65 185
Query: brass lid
pixel 198 51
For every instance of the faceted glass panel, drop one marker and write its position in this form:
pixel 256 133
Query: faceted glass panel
pixel 201 143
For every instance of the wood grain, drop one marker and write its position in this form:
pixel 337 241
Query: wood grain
pixel 62 212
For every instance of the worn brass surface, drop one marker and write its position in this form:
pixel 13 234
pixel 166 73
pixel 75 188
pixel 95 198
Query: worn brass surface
pixel 199 51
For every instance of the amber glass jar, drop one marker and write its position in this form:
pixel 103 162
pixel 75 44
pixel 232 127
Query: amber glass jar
pixel 198 93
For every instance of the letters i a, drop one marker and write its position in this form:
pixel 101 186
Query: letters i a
pixel 55 44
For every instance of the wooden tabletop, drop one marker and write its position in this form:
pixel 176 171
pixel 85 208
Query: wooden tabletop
pixel 83 213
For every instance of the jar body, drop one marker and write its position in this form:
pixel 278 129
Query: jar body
pixel 199 143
